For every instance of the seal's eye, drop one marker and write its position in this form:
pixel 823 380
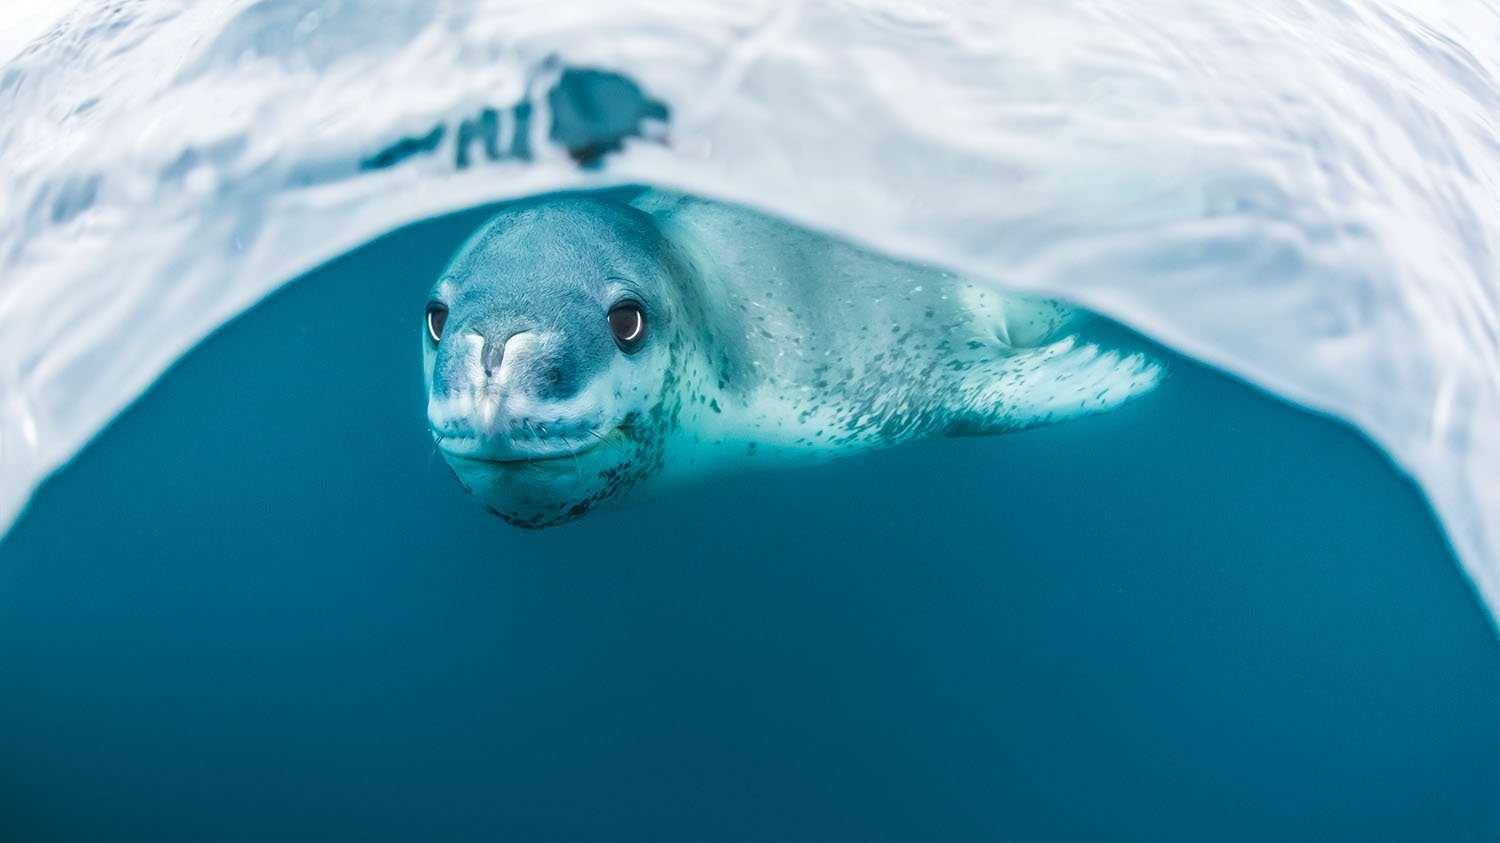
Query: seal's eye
pixel 437 316
pixel 628 323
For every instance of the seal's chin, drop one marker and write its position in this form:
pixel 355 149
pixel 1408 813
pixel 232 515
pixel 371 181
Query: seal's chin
pixel 537 482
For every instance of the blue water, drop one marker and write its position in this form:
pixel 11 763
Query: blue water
pixel 257 607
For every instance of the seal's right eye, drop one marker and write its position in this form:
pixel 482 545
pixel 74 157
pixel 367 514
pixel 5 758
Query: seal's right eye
pixel 628 323
pixel 437 316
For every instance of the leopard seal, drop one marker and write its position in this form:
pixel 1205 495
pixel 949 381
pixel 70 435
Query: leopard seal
pixel 579 349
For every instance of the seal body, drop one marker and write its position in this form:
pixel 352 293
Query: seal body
pixel 761 344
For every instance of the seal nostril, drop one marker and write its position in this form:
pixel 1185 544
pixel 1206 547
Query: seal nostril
pixel 493 353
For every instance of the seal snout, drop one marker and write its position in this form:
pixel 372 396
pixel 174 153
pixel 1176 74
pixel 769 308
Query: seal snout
pixel 519 397
pixel 539 366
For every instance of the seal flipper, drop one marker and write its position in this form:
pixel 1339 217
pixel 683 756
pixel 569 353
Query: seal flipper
pixel 1062 380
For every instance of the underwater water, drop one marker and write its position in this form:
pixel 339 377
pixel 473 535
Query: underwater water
pixel 257 605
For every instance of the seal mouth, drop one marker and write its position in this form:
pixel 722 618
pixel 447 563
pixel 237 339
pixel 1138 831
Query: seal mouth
pixel 483 450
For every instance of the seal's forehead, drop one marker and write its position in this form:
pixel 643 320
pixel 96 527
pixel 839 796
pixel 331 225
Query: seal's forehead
pixel 558 242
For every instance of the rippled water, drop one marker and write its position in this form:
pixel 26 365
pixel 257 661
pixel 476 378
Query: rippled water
pixel 1302 191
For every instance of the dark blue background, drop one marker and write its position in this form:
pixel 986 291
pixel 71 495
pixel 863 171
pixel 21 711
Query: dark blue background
pixel 257 605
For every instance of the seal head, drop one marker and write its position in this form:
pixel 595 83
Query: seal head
pixel 549 344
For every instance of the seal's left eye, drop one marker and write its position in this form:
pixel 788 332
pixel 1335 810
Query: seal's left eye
pixel 437 316
pixel 628 323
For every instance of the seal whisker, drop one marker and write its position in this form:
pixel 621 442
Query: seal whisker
pixel 534 435
pixel 572 452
